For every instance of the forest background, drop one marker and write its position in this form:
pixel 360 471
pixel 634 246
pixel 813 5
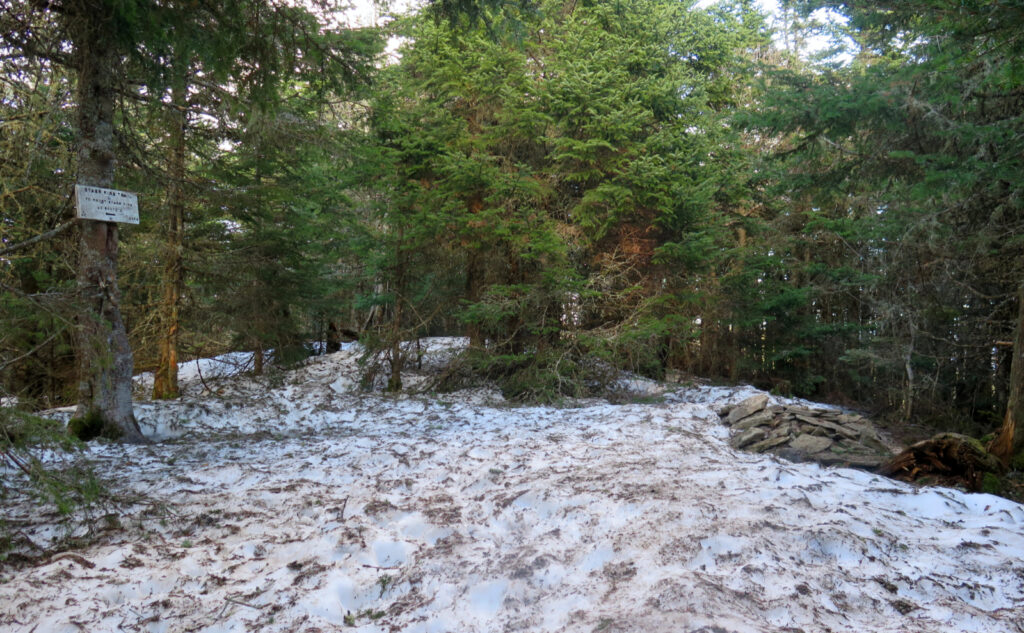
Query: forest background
pixel 577 186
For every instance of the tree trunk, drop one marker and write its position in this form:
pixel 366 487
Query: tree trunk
pixel 396 362
pixel 474 284
pixel 474 275
pixel 907 406
pixel 397 357
pixel 333 337
pixel 104 355
pixel 1010 442
pixel 257 360
pixel 165 383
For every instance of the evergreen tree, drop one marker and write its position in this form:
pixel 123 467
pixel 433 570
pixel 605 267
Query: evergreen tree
pixel 170 51
pixel 906 164
pixel 36 172
pixel 554 159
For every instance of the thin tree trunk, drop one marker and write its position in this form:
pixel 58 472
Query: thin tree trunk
pixel 1010 440
pixel 104 355
pixel 257 360
pixel 257 354
pixel 397 357
pixel 907 406
pixel 165 383
pixel 474 277
pixel 473 287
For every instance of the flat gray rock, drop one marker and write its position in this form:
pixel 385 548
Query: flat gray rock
pixel 761 418
pixel 768 444
pixel 749 437
pixel 810 444
pixel 831 426
pixel 748 407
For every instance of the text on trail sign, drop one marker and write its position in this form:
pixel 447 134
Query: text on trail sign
pixel 106 205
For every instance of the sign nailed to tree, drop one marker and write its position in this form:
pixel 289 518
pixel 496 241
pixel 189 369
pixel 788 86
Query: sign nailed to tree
pixel 106 205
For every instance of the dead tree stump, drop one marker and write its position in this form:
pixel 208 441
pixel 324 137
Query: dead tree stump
pixel 948 459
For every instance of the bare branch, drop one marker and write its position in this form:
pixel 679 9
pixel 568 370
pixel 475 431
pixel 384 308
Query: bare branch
pixel 39 238
pixel 30 352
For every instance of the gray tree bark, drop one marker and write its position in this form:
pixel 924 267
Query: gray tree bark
pixel 104 355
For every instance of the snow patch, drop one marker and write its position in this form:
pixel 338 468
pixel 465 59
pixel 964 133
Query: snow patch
pixel 297 502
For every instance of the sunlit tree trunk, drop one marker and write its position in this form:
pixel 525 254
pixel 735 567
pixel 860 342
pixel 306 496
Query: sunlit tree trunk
pixel 165 383
pixel 1010 441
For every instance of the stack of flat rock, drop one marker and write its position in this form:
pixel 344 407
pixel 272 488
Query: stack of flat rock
pixel 805 434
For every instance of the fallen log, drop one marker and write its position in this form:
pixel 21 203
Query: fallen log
pixel 949 459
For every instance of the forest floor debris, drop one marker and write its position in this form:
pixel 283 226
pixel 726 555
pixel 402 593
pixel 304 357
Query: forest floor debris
pixel 296 503
pixel 947 459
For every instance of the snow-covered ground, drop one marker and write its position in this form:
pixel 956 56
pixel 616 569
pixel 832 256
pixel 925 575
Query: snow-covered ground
pixel 296 503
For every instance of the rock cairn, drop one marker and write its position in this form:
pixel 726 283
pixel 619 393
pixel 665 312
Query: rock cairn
pixel 805 434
